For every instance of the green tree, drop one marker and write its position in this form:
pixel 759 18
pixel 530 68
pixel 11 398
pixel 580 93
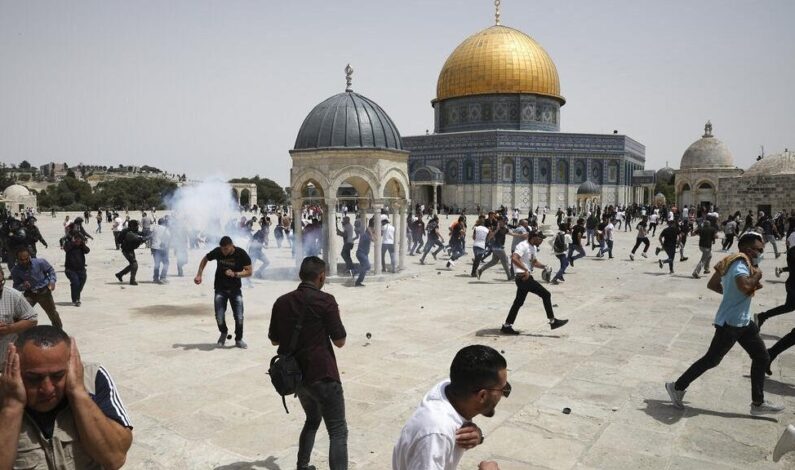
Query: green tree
pixel 24 165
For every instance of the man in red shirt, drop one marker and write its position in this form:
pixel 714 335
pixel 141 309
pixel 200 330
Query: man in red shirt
pixel 320 392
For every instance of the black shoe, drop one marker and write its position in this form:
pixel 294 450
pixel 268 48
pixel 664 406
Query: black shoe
pixel 118 276
pixel 221 340
pixel 768 371
pixel 657 251
pixel 683 259
pixel 557 323
pixel 571 262
pixel 133 283
pixel 508 330
pixel 659 261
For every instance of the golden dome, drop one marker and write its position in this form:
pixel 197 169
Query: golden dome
pixel 498 60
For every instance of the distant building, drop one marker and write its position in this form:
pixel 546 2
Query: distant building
pixel 17 198
pixel 769 186
pixel 54 170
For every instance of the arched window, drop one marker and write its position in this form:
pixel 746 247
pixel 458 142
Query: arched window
pixel 579 171
pixel 485 171
pixel 543 171
pixel 527 170
pixel 507 169
pixel 451 173
pixel 612 172
pixel 469 171
pixel 596 172
pixel 563 172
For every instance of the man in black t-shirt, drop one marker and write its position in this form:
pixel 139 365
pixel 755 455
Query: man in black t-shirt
pixel 706 237
pixel 233 264
pixel 668 239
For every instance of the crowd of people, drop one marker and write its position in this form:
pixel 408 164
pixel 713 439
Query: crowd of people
pixel 44 378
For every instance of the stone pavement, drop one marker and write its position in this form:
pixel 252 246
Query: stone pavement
pixel 632 327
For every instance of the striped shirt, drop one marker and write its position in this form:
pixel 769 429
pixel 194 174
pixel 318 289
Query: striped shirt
pixel 13 308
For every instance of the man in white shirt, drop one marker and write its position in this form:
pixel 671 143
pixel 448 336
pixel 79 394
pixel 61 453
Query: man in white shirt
pixel 387 244
pixel 524 260
pixel 441 428
pixel 479 235
pixel 608 236
pixel 159 245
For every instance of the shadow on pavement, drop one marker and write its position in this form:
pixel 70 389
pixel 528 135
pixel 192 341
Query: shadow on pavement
pixel 268 464
pixel 198 347
pixel 495 332
pixel 767 336
pixel 664 412
pixel 777 388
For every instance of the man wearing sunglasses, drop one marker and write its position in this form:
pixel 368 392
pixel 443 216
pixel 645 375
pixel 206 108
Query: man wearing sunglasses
pixel 441 428
pixel 737 278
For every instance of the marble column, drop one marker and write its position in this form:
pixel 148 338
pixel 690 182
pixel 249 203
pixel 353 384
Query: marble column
pixel 377 238
pixel 330 224
pixel 433 211
pixel 298 232
pixel 403 240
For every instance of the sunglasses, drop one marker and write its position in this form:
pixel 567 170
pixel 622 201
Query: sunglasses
pixel 506 390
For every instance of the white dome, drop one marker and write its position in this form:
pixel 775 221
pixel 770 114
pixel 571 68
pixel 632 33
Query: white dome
pixel 707 152
pixel 15 190
pixel 772 165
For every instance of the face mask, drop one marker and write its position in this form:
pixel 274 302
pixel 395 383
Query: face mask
pixel 758 259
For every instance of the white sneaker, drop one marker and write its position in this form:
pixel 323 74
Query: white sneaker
pixel 786 443
pixel 644 254
pixel 766 408
pixel 676 395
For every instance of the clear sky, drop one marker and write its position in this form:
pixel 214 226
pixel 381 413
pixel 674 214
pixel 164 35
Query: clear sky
pixel 221 87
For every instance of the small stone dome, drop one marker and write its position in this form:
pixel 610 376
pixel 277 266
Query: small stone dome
pixel 348 120
pixel 665 174
pixel 707 152
pixel 15 191
pixel 772 165
pixel 589 187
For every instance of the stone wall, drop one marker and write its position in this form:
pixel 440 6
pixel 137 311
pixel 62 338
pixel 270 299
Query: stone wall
pixel 752 192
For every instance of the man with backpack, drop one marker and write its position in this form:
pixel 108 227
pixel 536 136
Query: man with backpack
pixel 313 317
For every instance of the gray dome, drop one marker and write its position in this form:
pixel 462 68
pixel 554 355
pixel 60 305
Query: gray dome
pixel 665 174
pixel 348 120
pixel 707 152
pixel 589 187
pixel 772 165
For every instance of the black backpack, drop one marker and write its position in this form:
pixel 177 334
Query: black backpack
pixel 560 243
pixel 284 369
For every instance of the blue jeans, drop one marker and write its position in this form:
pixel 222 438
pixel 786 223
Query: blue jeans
pixel 578 248
pixel 606 246
pixel 324 401
pixel 77 279
pixel 235 298
pixel 160 259
pixel 591 235
pixel 564 263
pixel 388 248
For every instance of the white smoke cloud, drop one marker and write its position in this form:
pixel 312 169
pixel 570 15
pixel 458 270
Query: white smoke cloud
pixel 206 207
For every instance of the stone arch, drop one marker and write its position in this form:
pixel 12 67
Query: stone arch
pixel 526 171
pixel 245 197
pixel 544 171
pixel 396 184
pixel 307 175
pixel 235 195
pixel 356 173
